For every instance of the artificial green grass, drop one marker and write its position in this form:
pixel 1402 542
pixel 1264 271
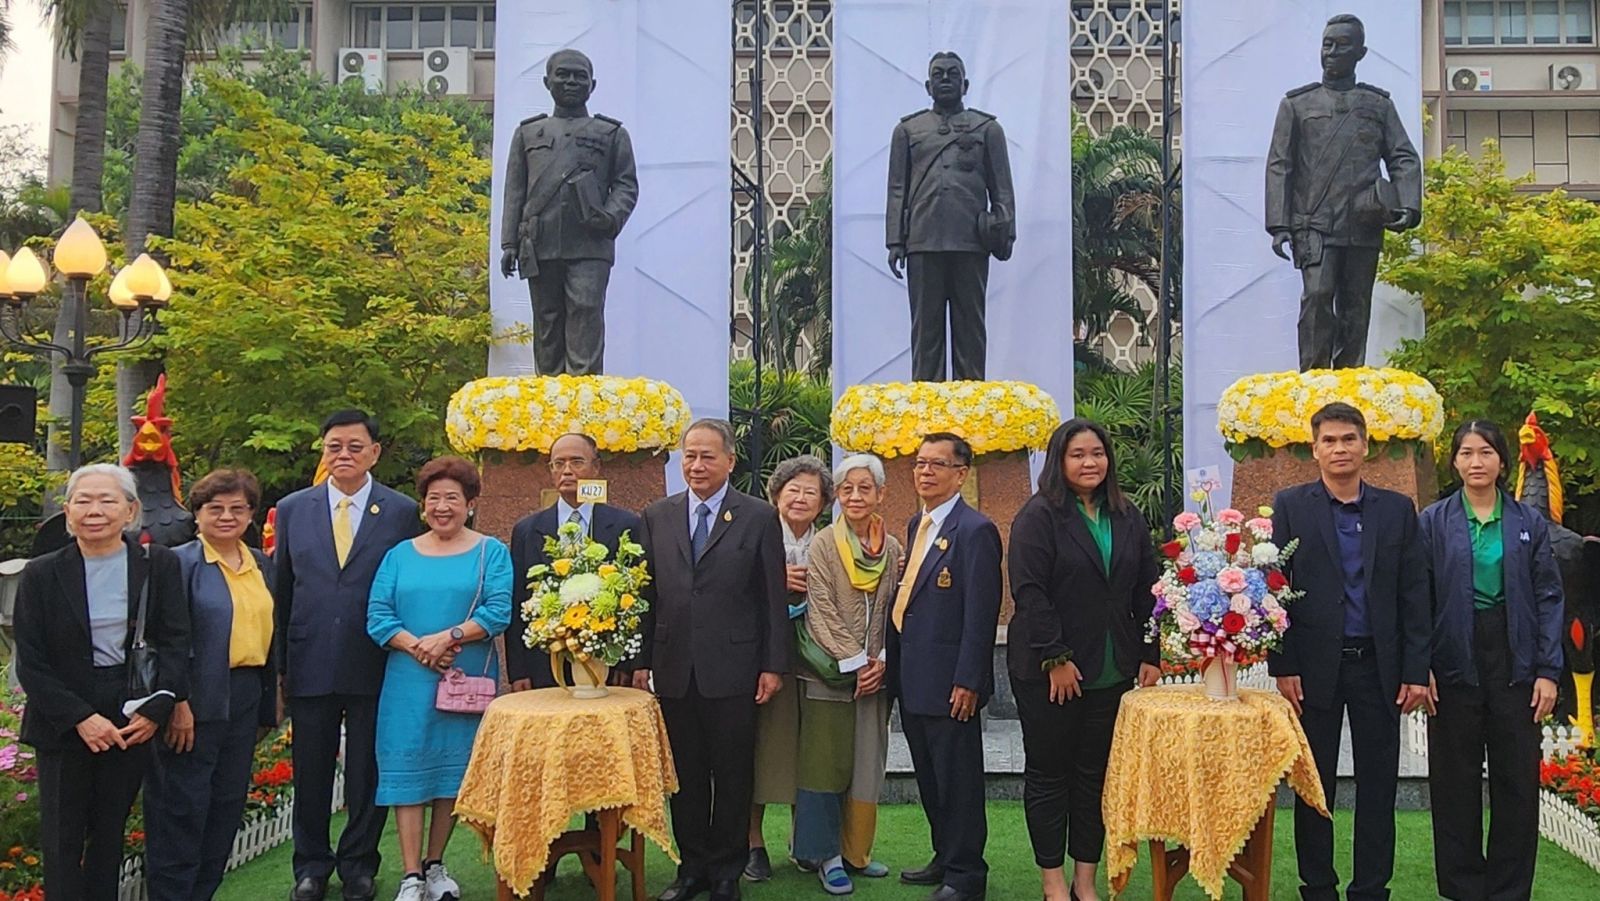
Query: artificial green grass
pixel 903 842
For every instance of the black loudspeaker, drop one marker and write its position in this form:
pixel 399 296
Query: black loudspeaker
pixel 19 407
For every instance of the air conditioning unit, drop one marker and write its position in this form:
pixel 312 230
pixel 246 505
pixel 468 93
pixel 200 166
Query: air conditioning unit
pixel 446 70
pixel 1089 89
pixel 1470 79
pixel 1573 77
pixel 362 64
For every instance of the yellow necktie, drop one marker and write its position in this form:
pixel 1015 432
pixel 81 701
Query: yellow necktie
pixel 902 597
pixel 342 536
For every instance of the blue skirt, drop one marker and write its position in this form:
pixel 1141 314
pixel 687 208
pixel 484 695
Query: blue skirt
pixel 422 752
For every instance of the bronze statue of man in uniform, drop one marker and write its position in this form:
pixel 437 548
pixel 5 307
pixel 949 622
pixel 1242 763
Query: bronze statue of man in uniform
pixel 570 186
pixel 950 208
pixel 1327 199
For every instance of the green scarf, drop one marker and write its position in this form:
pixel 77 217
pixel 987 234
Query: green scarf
pixel 864 565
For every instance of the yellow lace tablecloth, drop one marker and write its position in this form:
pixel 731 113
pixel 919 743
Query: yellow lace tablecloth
pixel 543 756
pixel 1198 772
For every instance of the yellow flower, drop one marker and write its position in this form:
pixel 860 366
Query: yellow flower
pixel 607 569
pixel 562 567
pixel 1275 407
pixel 625 602
pixel 575 616
pixel 528 413
pixel 995 417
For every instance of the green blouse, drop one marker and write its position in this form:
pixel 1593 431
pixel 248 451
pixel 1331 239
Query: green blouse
pixel 1488 556
pixel 1100 529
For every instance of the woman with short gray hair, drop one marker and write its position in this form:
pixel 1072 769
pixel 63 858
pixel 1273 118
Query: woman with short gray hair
pixel 801 488
pixel 844 711
pixel 89 715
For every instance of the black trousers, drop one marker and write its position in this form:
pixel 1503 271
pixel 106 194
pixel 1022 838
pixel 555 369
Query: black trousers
pixel 84 800
pixel 953 282
pixel 569 316
pixel 194 802
pixel 1494 717
pixel 1375 740
pixel 317 722
pixel 1335 307
pixel 947 755
pixel 713 746
pixel 1067 747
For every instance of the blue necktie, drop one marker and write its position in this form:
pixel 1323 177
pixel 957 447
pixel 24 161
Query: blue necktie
pixel 702 531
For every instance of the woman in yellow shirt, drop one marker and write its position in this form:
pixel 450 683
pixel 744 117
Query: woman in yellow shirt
pixel 195 793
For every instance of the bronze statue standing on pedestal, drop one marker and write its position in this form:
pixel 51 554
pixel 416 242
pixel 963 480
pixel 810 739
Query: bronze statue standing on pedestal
pixel 950 207
pixel 570 187
pixel 1327 199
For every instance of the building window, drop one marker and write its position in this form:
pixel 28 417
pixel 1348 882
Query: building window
pixel 1513 23
pixel 791 25
pixel 119 29
pixel 1099 28
pixel 292 32
pixel 418 26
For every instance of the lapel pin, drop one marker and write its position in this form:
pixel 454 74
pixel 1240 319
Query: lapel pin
pixel 944 577
pixel 1525 537
pixel 373 509
pixel 944 545
pixel 727 516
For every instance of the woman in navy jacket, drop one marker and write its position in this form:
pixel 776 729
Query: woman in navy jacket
pixel 195 793
pixel 1496 653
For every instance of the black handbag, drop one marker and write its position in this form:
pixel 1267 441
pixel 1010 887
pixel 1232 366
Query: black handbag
pixel 142 662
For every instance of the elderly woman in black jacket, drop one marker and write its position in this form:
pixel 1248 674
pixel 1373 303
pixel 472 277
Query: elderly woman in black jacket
pixel 75 624
pixel 1082 563
pixel 1496 656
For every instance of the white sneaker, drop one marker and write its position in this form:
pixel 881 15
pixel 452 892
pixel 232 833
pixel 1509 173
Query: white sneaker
pixel 440 886
pixel 412 889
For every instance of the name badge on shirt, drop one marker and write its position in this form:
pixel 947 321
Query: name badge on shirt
pixel 591 491
pixel 1524 537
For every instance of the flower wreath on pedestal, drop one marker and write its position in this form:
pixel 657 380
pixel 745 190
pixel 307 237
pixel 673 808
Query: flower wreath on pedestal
pixel 994 417
pixel 1273 409
pixel 528 413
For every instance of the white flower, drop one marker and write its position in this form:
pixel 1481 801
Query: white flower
pixel 1264 553
pixel 581 589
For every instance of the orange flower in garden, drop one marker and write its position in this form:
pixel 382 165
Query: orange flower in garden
pixel 16 851
pixel 31 860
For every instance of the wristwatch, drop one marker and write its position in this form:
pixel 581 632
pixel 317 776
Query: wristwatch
pixel 456 634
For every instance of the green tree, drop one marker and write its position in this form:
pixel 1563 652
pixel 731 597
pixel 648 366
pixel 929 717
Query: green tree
pixel 798 288
pixel 1116 230
pixel 797 408
pixel 315 281
pixel 1507 281
pixel 1125 403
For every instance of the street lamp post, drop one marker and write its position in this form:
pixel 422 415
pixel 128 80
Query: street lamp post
pixel 140 290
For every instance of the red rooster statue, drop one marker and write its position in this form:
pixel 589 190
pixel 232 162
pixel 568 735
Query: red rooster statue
pixel 1539 485
pixel 163 518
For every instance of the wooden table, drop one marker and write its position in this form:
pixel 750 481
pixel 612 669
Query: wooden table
pixel 543 757
pixel 1197 779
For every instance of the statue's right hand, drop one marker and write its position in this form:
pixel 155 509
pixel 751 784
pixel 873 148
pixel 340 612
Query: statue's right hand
pixel 508 264
pixel 1279 241
pixel 897 261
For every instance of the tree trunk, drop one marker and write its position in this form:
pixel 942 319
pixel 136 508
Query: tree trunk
pixel 88 169
pixel 155 173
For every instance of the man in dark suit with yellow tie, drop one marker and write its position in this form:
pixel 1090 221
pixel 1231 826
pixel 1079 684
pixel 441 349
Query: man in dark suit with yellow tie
pixel 331 538
pixel 941 664
pixel 716 643
pixel 573 458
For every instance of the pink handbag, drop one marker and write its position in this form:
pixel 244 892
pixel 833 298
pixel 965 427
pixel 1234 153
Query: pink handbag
pixel 457 691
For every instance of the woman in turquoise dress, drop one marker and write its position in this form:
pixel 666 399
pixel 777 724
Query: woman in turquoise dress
pixel 437 601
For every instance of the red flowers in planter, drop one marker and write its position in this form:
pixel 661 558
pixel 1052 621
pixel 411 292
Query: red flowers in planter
pixel 1276 580
pixel 1576 778
pixel 1232 623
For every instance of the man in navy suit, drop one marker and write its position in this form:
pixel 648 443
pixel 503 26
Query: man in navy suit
pixel 573 457
pixel 941 664
pixel 331 538
pixel 1357 643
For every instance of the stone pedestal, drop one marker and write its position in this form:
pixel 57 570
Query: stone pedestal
pixel 516 484
pixel 1258 479
pixel 998 485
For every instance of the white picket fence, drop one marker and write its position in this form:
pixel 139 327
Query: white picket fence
pixel 254 839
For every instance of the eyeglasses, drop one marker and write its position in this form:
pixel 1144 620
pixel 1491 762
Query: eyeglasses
pixel 336 449
pixel 935 465
pixel 219 511
pixel 572 463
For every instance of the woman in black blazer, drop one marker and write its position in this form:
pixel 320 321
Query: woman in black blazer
pixel 74 626
pixel 1082 562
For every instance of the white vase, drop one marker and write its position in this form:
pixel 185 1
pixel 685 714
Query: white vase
pixel 1221 676
pixel 585 685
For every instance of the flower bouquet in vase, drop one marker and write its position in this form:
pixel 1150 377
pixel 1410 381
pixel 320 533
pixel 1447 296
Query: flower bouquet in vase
pixel 1222 597
pixel 585 607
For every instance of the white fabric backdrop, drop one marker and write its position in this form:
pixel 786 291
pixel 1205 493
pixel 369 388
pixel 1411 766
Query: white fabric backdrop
pixel 661 68
pixel 1018 60
pixel 1241 303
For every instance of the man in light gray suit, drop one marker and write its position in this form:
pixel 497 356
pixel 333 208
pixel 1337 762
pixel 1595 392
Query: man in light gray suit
pixel 331 538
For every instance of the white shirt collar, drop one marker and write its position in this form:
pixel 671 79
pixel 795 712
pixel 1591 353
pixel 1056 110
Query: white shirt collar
pixel 714 502
pixel 564 513
pixel 940 513
pixel 358 501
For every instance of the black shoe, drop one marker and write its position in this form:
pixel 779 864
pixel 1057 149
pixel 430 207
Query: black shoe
pixel 309 889
pixel 360 888
pixel 725 890
pixel 932 874
pixel 947 893
pixel 759 867
pixel 683 888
